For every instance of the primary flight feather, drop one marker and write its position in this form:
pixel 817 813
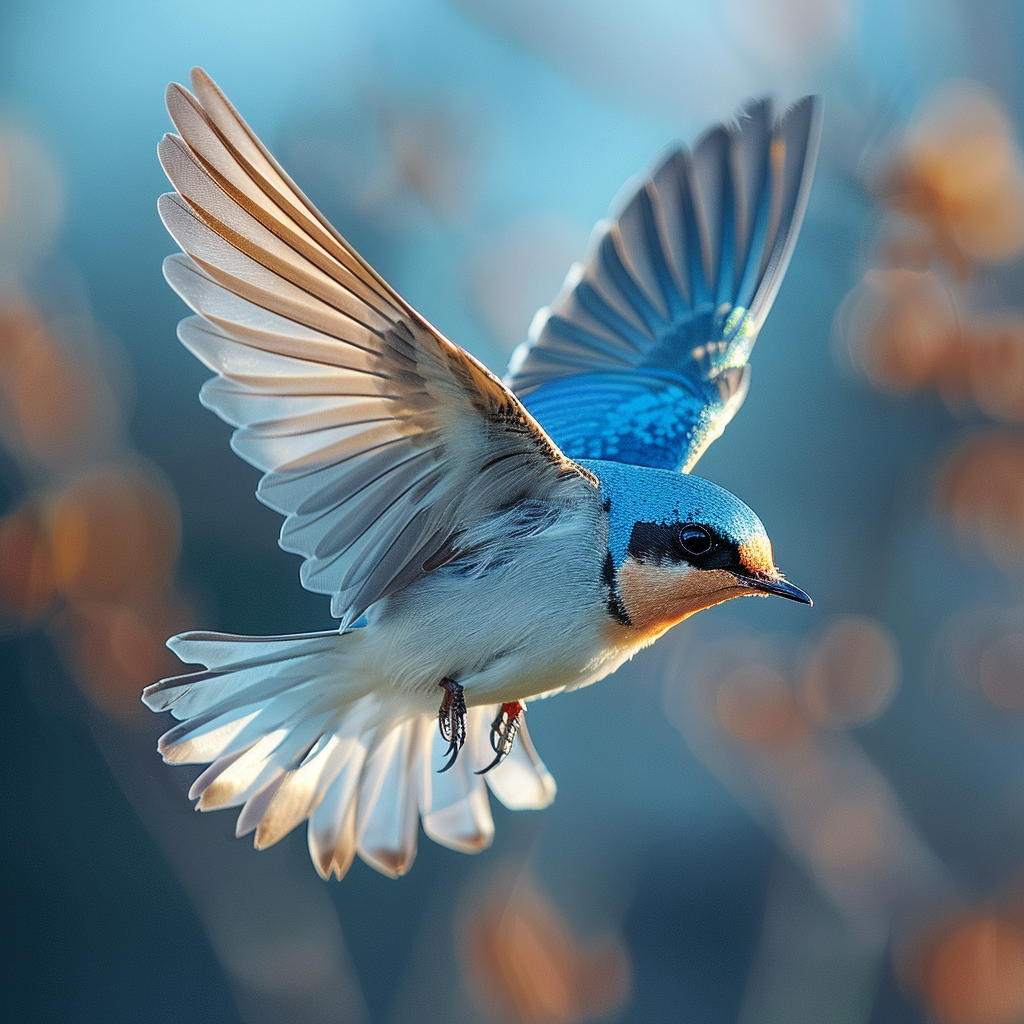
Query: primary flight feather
pixel 483 542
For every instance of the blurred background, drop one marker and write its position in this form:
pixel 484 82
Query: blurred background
pixel 774 815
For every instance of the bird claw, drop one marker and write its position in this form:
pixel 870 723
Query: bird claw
pixel 451 719
pixel 503 733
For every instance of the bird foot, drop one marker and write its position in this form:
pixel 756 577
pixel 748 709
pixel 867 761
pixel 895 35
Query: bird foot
pixel 503 733
pixel 451 718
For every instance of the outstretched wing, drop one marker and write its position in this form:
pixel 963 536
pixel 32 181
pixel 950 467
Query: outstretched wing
pixel 380 440
pixel 642 357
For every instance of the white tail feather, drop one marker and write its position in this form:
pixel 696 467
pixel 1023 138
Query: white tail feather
pixel 291 733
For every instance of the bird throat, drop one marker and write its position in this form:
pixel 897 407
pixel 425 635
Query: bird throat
pixel 656 597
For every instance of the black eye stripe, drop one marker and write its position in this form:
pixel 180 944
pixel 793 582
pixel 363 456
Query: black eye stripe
pixel 692 543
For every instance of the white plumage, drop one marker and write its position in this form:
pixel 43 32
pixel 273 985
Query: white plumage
pixel 286 747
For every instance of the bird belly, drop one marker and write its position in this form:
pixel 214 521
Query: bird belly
pixel 504 636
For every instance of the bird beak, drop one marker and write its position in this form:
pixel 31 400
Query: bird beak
pixel 771 585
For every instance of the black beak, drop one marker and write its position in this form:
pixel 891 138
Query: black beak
pixel 767 585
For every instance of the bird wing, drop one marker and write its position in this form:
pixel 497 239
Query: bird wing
pixel 380 440
pixel 642 357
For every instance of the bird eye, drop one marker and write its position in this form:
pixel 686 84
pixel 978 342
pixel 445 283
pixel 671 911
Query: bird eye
pixel 694 539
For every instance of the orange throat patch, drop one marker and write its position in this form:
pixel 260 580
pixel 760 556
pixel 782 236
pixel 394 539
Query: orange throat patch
pixel 657 597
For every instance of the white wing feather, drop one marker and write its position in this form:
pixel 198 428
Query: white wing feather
pixel 380 440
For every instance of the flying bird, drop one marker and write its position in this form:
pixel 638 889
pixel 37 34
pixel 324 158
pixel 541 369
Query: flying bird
pixel 484 542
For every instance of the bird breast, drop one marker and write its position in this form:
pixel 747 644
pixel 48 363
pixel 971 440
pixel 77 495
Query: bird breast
pixel 514 617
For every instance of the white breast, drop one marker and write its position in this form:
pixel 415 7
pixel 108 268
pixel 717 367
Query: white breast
pixel 521 616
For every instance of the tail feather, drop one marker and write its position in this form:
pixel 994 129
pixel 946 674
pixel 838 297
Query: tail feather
pixel 303 790
pixel 291 734
pixel 215 650
pixel 261 764
pixel 230 677
pixel 455 808
pixel 203 739
pixel 387 813
pixel 331 834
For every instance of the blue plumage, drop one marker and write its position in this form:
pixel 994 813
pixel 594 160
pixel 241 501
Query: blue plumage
pixel 641 494
pixel 642 356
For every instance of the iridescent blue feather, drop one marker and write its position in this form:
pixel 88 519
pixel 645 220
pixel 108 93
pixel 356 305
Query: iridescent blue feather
pixel 642 357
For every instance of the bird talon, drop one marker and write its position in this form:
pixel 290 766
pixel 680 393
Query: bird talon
pixel 451 719
pixel 453 749
pixel 503 733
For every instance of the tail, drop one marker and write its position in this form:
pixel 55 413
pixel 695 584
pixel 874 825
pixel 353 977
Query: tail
pixel 291 736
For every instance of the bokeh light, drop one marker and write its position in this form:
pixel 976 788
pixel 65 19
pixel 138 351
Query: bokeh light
pixel 981 487
pixel 116 649
pixel 115 531
pixel 960 173
pixel 901 326
pixel 986 648
pixel 852 672
pixel 27 584
pixel 756 705
pixel 525 965
pixel 974 971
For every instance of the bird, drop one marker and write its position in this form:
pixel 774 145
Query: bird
pixel 484 542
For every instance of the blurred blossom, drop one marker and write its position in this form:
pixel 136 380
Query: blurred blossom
pixel 116 531
pixel 117 649
pixel 972 971
pixel 27 585
pixel 996 352
pixel 960 173
pixel 755 705
pixel 981 487
pixel 901 328
pixel 55 406
pixel 20 325
pixel 816 790
pixel 986 649
pixel 523 963
pixel 520 269
pixel 955 191
pixel 95 543
pixel 904 330
pixel 31 200
pixel 852 672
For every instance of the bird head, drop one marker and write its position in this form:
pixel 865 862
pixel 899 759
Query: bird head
pixel 678 544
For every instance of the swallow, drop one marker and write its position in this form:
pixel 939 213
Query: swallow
pixel 483 542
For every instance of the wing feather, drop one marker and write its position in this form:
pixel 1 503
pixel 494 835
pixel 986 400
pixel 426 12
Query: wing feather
pixel 378 438
pixel 671 297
